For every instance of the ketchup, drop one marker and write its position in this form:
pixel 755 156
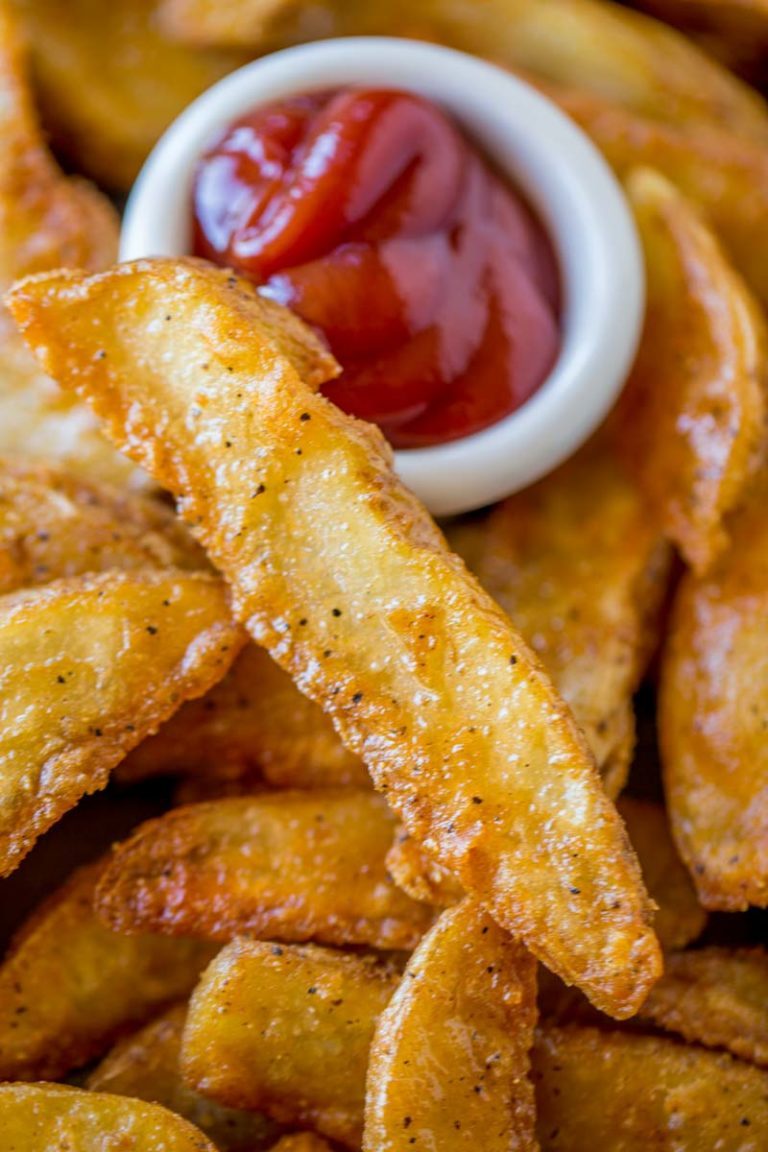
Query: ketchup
pixel 368 214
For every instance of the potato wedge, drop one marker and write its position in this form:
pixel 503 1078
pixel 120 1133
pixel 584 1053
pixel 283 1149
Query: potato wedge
pixel 680 918
pixel 580 569
pixel 46 220
pixel 693 414
pixel 51 1118
pixel 712 713
pixel 421 672
pixel 290 866
pixel 287 1029
pixel 735 204
pixel 254 726
pixel 54 524
pixel 717 997
pixel 145 1066
pixel 618 1092
pixel 623 56
pixel 69 986
pixel 449 1065
pixel 106 120
pixel 87 667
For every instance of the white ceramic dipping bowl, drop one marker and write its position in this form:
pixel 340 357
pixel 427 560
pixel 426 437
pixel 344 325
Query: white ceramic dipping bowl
pixel 529 140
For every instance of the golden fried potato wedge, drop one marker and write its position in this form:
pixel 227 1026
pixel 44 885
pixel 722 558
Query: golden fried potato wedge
pixel 106 120
pixel 291 866
pixel 145 1066
pixel 735 204
pixel 69 986
pixel 580 569
pixel 87 667
pixel 623 56
pixel 287 1029
pixel 51 1118
pixel 694 410
pixel 680 918
pixel 54 524
pixel 46 220
pixel 450 1060
pixel 254 725
pixel 717 997
pixel 712 711
pixel 424 676
pixel 618 1092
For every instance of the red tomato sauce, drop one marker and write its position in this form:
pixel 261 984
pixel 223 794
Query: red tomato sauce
pixel 369 215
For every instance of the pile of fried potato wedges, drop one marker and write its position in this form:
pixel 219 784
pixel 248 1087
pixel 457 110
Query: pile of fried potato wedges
pixel 458 836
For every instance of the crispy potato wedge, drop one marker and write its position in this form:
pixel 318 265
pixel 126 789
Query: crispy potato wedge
pixel 680 918
pixel 51 1118
pixel 693 413
pixel 46 220
pixel 450 1061
pixel 69 986
pixel 618 1092
pixel 87 667
pixel 290 866
pixel 580 569
pixel 623 56
pixel 287 1029
pixel 54 524
pixel 422 673
pixel 254 725
pixel 735 204
pixel 713 705
pixel 717 997
pixel 106 120
pixel 145 1066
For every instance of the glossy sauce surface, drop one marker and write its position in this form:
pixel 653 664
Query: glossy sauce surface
pixel 369 215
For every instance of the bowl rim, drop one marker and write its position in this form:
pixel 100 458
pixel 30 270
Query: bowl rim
pixel 554 164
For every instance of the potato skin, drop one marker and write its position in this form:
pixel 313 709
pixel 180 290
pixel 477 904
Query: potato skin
pixel 693 413
pixel 286 1029
pixel 716 997
pixel 290 866
pixel 51 1117
pixel 69 986
pixel 449 1065
pixel 145 1066
pixel 88 666
pixel 376 619
pixel 712 713
pixel 625 1093
pixel 253 727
